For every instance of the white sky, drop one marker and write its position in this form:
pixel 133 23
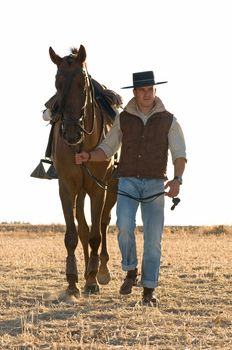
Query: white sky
pixel 185 42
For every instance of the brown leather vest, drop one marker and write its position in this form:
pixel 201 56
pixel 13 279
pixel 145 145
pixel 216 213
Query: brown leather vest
pixel 144 151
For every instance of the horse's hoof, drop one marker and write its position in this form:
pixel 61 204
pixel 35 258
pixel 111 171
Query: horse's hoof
pixel 74 291
pixel 103 278
pixel 91 289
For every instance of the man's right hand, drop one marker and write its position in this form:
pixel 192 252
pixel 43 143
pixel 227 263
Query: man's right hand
pixel 82 157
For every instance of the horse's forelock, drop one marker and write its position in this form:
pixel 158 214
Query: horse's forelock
pixel 80 54
pixel 74 51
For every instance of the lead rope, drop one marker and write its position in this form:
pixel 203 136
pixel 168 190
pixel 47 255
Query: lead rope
pixel 148 199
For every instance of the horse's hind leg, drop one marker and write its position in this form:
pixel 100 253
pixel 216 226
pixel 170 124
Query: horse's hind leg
pixel 70 240
pixel 103 275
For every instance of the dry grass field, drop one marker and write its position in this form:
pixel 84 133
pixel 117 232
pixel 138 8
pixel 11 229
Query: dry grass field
pixel 195 294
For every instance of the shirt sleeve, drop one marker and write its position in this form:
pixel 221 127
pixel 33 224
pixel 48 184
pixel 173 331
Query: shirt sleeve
pixel 112 142
pixel 176 141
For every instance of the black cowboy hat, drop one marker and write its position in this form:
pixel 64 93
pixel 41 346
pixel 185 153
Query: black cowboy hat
pixel 143 79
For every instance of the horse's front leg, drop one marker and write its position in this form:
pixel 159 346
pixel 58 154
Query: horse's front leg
pixel 83 228
pixel 70 240
pixel 97 200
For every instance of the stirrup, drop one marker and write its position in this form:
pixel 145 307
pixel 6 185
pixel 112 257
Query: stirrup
pixel 40 173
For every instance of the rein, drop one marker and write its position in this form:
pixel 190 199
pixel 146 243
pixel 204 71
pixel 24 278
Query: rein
pixel 147 199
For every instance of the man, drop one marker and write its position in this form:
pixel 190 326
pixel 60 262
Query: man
pixel 145 131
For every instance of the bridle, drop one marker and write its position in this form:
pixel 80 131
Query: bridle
pixel 77 121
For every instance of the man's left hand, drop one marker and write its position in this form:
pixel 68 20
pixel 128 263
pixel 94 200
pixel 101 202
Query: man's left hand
pixel 174 188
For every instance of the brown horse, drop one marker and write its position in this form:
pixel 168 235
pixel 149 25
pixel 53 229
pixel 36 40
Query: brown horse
pixel 80 124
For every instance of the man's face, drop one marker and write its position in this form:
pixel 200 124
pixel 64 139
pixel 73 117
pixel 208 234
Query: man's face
pixel 145 96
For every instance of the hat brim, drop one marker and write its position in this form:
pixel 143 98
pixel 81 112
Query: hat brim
pixel 137 86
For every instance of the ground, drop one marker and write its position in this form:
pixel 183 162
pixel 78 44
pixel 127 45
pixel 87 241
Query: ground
pixel 195 293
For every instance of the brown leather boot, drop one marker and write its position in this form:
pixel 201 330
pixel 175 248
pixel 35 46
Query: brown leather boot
pixel 129 282
pixel 149 298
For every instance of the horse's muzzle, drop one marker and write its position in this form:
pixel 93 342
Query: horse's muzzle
pixel 73 140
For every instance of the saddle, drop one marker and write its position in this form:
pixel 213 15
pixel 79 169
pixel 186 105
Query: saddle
pixel 109 100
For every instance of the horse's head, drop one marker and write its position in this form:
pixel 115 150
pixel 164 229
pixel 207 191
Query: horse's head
pixel 73 89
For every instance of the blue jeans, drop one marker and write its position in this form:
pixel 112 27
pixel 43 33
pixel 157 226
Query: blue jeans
pixel 152 213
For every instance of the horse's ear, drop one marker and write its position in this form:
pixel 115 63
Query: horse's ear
pixel 81 54
pixel 54 57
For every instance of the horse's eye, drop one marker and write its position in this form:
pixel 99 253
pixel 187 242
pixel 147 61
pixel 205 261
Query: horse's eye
pixel 59 74
pixel 58 84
